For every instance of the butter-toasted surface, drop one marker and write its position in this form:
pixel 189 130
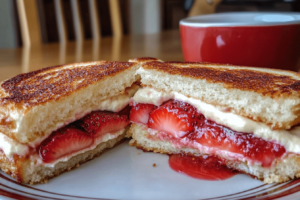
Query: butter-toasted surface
pixel 270 82
pixel 56 82
pixel 264 95
pixel 143 59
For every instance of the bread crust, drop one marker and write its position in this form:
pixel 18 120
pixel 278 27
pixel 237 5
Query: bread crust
pixel 52 83
pixel 267 82
pixel 144 59
pixel 11 166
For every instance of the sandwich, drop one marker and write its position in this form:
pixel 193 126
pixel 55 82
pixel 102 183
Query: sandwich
pixel 247 117
pixel 54 119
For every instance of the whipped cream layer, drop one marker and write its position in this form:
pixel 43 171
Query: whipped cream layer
pixel 290 139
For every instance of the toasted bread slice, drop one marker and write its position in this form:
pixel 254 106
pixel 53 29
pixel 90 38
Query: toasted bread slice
pixel 144 60
pixel 34 104
pixel 264 95
pixel 283 170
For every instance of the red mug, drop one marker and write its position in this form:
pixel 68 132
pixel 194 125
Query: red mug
pixel 260 39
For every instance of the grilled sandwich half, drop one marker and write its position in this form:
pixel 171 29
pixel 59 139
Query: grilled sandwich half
pixel 56 118
pixel 248 117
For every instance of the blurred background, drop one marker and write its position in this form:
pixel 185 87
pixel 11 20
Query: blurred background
pixel 41 33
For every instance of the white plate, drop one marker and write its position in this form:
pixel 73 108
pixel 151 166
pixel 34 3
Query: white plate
pixel 127 173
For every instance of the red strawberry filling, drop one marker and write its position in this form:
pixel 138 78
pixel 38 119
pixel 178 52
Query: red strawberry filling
pixel 62 142
pixel 177 120
pixel 183 125
pixel 99 123
pixel 140 112
pixel 82 134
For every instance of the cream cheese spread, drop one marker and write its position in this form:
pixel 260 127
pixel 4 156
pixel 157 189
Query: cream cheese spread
pixel 11 147
pixel 290 139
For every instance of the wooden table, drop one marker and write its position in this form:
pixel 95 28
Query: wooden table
pixel 165 46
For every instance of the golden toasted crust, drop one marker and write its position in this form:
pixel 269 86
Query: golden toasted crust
pixel 12 166
pixel 273 83
pixel 53 83
pixel 143 59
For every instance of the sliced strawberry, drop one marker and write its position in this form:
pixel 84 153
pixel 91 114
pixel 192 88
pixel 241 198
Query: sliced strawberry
pixel 63 142
pixel 140 112
pixel 214 135
pixel 101 122
pixel 174 117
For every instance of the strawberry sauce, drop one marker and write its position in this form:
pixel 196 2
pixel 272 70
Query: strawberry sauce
pixel 203 167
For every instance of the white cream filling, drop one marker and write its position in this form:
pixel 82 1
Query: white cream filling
pixel 11 147
pixel 290 139
pixel 114 104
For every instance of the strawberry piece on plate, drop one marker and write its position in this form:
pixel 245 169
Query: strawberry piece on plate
pixel 174 117
pixel 202 167
pixel 140 112
pixel 99 123
pixel 63 142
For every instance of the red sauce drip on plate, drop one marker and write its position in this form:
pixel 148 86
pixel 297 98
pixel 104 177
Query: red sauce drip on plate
pixel 204 167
